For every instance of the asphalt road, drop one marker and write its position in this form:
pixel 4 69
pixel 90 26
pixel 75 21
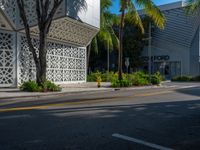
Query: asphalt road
pixel 166 119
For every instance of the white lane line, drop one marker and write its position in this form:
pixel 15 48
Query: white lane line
pixel 152 145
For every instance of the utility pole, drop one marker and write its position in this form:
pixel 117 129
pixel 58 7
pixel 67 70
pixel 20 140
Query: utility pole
pixel 149 52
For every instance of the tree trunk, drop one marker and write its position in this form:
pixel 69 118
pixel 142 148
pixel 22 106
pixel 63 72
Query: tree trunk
pixel 42 65
pixel 121 44
pixel 88 56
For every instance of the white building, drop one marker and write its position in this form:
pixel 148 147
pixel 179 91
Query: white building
pixel 175 50
pixel 75 24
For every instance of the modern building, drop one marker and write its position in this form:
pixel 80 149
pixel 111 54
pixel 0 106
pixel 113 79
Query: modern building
pixel 175 50
pixel 75 24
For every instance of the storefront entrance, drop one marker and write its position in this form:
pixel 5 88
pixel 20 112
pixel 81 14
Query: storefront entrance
pixel 167 69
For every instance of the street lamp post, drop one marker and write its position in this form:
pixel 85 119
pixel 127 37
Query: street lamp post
pixel 149 52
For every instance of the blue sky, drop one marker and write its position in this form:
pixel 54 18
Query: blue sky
pixel 115 7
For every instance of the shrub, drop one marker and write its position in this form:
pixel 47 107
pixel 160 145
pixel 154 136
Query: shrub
pixel 113 76
pixel 182 78
pixel 186 78
pixel 197 78
pixel 50 86
pixel 156 78
pixel 32 86
pixel 140 79
pixel 93 76
pixel 120 83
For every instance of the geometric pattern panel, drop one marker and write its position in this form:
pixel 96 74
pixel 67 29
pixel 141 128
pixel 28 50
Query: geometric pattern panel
pixel 32 15
pixel 9 8
pixel 7 59
pixel 65 64
pixel 26 63
pixel 68 30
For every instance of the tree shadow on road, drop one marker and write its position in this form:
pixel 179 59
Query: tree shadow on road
pixel 171 124
pixel 190 91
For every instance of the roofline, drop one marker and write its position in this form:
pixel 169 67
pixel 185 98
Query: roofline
pixel 169 6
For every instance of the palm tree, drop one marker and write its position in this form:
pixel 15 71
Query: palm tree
pixel 129 12
pixel 193 6
pixel 106 35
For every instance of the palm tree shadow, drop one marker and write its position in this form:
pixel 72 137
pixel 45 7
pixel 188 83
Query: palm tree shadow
pixel 75 7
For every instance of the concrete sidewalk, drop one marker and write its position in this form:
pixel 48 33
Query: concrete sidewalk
pixel 9 93
pixel 89 87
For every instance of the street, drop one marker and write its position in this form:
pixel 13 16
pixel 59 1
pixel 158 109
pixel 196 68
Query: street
pixel 145 119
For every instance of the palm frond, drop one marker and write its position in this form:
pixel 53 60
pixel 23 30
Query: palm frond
pixel 153 12
pixel 105 4
pixel 95 45
pixel 115 40
pixel 192 6
pixel 133 17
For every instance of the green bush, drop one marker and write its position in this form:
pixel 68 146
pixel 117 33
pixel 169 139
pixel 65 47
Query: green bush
pixel 140 79
pixel 92 77
pixel 156 78
pixel 121 83
pixel 197 78
pixel 32 86
pixel 137 79
pixel 182 78
pixel 50 86
pixel 186 78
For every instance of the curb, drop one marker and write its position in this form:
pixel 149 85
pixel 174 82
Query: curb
pixel 56 94
pixel 46 95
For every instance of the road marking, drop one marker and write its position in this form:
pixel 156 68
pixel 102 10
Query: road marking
pixel 152 145
pixel 152 94
pixel 7 103
pixel 77 102
pixel 22 108
pixel 15 117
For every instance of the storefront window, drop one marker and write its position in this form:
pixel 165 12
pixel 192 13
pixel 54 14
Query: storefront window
pixel 168 69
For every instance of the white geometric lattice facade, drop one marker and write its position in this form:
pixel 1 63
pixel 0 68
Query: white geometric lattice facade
pixel 65 63
pixel 73 27
pixel 7 58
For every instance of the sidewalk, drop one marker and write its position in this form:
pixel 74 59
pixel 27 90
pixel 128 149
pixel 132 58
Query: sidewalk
pixel 9 93
pixel 89 87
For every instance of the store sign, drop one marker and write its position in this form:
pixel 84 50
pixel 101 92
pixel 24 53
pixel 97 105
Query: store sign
pixel 156 58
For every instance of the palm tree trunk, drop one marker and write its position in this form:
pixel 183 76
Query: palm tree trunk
pixel 121 44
